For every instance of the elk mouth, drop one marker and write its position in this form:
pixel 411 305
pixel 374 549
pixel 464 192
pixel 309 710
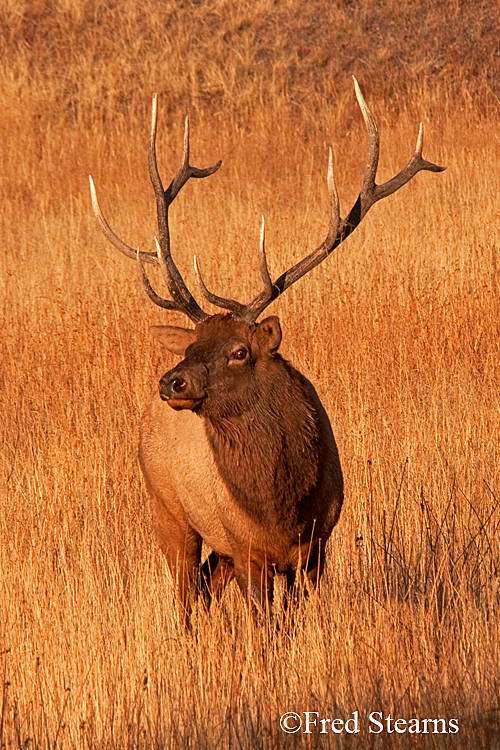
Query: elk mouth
pixel 183 403
pixel 181 391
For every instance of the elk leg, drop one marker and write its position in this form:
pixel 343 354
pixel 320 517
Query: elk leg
pixel 313 570
pixel 257 581
pixel 290 588
pixel 215 574
pixel 207 571
pixel 181 545
pixel 314 566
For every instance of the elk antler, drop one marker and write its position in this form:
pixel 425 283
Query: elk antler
pixel 182 299
pixel 339 229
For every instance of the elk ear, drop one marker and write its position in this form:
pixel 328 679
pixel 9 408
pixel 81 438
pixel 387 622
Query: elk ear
pixel 175 340
pixel 268 334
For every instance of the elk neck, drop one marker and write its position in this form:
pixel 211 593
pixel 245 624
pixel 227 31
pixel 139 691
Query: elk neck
pixel 268 446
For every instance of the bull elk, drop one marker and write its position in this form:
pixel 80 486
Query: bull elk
pixel 236 448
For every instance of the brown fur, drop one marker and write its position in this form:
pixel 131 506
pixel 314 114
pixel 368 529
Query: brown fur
pixel 252 469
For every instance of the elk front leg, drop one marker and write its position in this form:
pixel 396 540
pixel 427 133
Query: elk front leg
pixel 314 565
pixel 312 569
pixel 215 574
pixel 181 545
pixel 256 580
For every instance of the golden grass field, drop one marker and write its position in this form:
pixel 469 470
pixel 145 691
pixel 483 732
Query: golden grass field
pixel 399 330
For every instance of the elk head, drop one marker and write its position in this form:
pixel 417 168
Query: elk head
pixel 220 357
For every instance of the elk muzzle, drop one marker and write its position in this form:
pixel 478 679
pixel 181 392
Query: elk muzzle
pixel 184 387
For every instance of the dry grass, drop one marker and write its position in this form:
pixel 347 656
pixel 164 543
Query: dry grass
pixel 400 331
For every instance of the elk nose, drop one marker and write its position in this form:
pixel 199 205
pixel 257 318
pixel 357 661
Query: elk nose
pixel 172 386
pixel 183 383
pixel 177 385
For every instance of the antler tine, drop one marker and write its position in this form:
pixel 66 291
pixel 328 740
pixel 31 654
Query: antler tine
pixel 186 304
pixel 373 142
pixel 166 304
pixel 416 164
pixel 186 170
pixel 264 268
pixel 420 140
pixel 227 304
pixel 185 150
pixel 334 201
pixel 110 235
pixel 340 229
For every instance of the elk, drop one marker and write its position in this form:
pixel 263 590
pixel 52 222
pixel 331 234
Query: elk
pixel 236 448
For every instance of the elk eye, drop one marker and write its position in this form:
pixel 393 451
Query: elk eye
pixel 239 355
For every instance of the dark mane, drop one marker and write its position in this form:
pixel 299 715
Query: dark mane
pixel 269 449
